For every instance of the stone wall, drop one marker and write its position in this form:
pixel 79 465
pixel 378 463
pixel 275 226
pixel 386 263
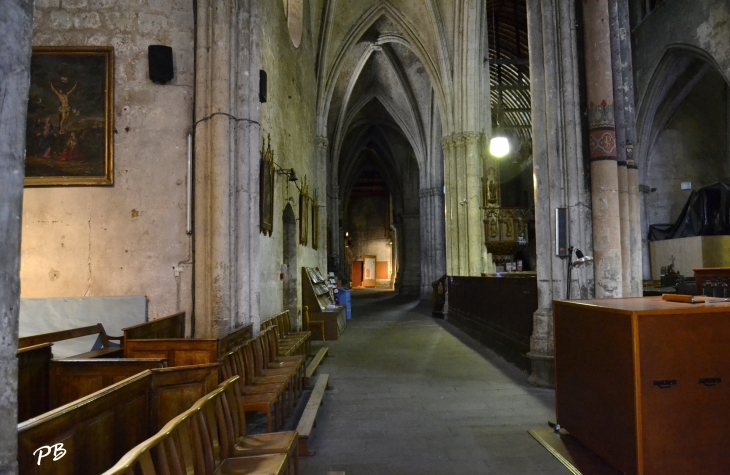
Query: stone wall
pixel 126 239
pixel 289 118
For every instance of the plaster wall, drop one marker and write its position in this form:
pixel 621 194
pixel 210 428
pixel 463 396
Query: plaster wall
pixel 288 117
pixel 126 239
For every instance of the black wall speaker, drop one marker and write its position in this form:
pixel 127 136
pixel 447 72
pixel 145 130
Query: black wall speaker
pixel 262 86
pixel 160 62
pixel 561 232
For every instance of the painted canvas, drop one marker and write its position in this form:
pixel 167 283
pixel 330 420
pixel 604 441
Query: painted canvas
pixel 69 137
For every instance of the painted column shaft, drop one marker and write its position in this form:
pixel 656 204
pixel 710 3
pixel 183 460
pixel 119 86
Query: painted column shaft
pixel 603 155
pixel 636 246
pixel 16 29
pixel 620 118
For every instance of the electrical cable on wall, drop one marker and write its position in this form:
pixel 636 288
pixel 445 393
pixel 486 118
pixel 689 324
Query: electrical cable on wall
pixel 237 119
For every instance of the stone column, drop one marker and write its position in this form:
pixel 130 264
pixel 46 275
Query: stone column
pixel 635 233
pixel 409 255
pixel 620 120
pixel 602 146
pixel 460 184
pixel 213 206
pixel 16 29
pixel 432 238
pixel 246 163
pixel 475 214
pixel 227 142
pixel 322 148
pixel 450 205
pixel 560 179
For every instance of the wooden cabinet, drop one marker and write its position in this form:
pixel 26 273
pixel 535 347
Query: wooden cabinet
pixel 645 383
pixel 316 296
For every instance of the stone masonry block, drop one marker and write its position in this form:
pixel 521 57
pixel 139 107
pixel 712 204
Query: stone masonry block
pixel 87 20
pixel 74 4
pixel 61 20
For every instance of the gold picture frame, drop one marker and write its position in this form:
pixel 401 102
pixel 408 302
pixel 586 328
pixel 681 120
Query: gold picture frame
pixel 304 213
pixel 315 221
pixel 266 192
pixel 70 120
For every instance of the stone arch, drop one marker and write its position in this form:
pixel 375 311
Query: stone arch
pixel 677 133
pixel 437 69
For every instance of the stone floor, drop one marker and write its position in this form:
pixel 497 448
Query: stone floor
pixel 413 395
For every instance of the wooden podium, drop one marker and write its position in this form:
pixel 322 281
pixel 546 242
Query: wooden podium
pixel 645 384
pixel 316 295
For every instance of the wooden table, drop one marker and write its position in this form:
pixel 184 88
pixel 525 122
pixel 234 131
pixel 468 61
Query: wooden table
pixel 645 383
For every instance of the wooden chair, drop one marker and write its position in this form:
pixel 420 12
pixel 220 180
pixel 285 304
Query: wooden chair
pixel 295 367
pixel 197 441
pixel 316 323
pixel 272 344
pixel 263 398
pixel 259 444
pixel 256 374
pixel 305 337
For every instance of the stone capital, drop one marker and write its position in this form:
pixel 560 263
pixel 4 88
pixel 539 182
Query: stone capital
pixel 322 142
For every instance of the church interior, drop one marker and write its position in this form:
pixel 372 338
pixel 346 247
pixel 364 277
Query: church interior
pixel 373 236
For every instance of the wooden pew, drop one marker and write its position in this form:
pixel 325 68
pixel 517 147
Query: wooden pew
pixel 98 429
pixel 172 326
pixel 33 380
pixel 106 351
pixel 73 379
pixel 187 351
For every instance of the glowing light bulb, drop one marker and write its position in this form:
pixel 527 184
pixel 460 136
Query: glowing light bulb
pixel 499 147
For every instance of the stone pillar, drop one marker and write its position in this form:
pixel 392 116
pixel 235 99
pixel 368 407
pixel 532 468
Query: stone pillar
pixel 213 269
pixel 462 210
pixel 620 120
pixel 635 233
pixel 602 146
pixel 432 238
pixel 246 163
pixel 336 245
pixel 475 214
pixel 227 258
pixel 560 179
pixel 322 148
pixel 16 29
pixel 409 255
pixel 450 205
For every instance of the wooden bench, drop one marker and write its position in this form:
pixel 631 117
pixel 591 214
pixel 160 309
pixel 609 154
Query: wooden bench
pixel 34 380
pixel 187 351
pixel 106 351
pixel 205 439
pixel 314 364
pixel 70 380
pixel 307 421
pixel 98 429
pixel 172 326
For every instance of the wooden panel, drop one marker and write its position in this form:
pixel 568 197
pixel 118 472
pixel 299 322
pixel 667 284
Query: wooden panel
pixel 496 311
pixel 172 326
pixel 33 380
pixel 334 323
pixel 691 406
pixel 235 338
pixel 174 390
pixel 356 274
pixel 381 270
pixel 73 379
pixel 74 423
pixel 594 367
pixel 33 340
pixel 179 351
pixel 96 440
